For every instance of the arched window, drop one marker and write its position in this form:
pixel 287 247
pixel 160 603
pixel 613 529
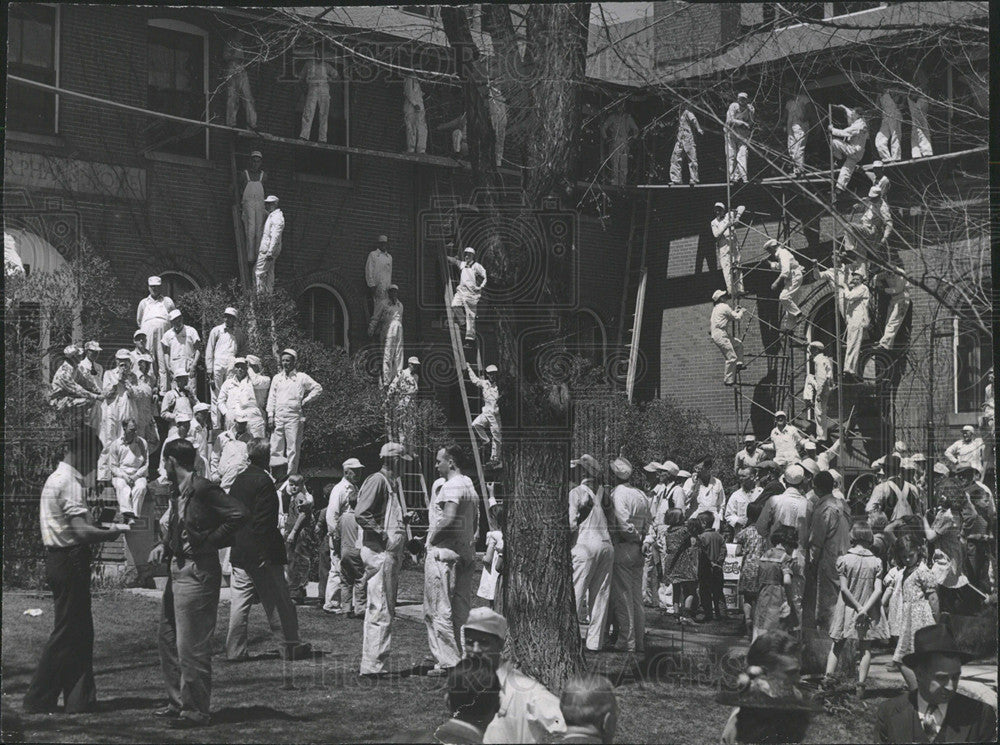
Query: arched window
pixel 323 316
pixel 176 285
pixel 178 84
pixel 586 336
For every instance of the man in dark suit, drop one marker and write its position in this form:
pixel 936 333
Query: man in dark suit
pixel 200 520
pixel 258 559
pixel 935 712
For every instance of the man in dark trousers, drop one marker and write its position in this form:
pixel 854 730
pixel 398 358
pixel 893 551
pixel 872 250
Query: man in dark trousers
pixel 936 711
pixel 200 520
pixel 258 559
pixel 67 662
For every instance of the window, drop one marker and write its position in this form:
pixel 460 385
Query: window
pixel 33 53
pixel 973 358
pixel 586 336
pixel 323 316
pixel 176 285
pixel 178 80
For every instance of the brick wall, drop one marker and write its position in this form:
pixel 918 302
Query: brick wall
pixel 688 30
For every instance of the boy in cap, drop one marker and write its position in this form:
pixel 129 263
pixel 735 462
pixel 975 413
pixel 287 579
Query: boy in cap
pixel 720 329
pixel 471 281
pixel 153 318
pixel 139 340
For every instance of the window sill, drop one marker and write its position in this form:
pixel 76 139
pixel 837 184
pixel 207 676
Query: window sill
pixel 181 160
pixel 309 178
pixel 35 139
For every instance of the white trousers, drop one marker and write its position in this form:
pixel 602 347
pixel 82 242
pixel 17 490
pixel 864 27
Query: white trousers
pixel 618 160
pixel 791 311
pixel 626 596
pixel 317 99
pixel 731 275
pixel 888 143
pixel 852 155
pixel 264 273
pixel 821 402
pixel 286 440
pixel 684 149
pixel 920 143
pixel 797 146
pixel 732 350
pixel 392 353
pixel 447 601
pixel 382 572
pixel 154 331
pixel 736 157
pixel 238 89
pixel 487 428
pixel 855 334
pixel 130 498
pixel 469 302
pixel 592 567
pixel 416 128
pixel 898 308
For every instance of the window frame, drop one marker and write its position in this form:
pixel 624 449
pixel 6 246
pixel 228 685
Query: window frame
pixel 343 310
pixel 183 27
pixel 183 275
pixel 57 67
pixel 956 334
pixel 595 317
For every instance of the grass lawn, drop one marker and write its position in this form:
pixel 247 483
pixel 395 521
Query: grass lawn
pixel 252 703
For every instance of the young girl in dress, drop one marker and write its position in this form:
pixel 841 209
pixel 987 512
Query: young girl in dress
pixel 750 545
pixel 857 614
pixel 918 598
pixel 775 604
pixel 491 583
pixel 680 562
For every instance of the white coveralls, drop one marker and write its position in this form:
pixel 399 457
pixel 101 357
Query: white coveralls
pixel 962 453
pixel 731 347
pixel 920 131
pixel 239 395
pixel 448 570
pixel 498 117
pixel 685 148
pixel 399 396
pixel 849 144
pixel 176 403
pixel 389 323
pixel 796 122
pixel 181 349
pixel 856 314
pixel 738 126
pixel 128 464
pixel 468 293
pixel 899 305
pixel 875 226
pixel 378 276
pixel 414 116
pixel 289 394
pixel 153 319
pixel 253 214
pixel 632 518
pixel 117 406
pixel 791 273
pixel 270 249
pixel 724 230
pixel 786 444
pixel 340 502
pixel 237 87
pixel 143 399
pixel 487 424
pixel 318 76
pixel 888 139
pixel 618 130
pixel 593 557
pixel 817 389
pixel 221 349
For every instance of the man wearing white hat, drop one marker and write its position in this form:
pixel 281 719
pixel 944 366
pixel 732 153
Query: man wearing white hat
pixel 720 329
pixel 894 496
pixel 117 406
pixel 874 226
pixel 290 391
pixel 453 515
pixel 181 347
pixel 68 391
pixel 144 399
pixel 153 318
pixel 177 402
pixel 92 373
pixel 529 713
pixel 632 520
pixel 736 507
pixel 472 279
pixel 382 517
pixel 378 273
pixel 487 424
pixel 270 245
pixel 788 508
pixel 704 492
pixel 225 343
pixel 230 455
pixel 967 451
pixel 724 230
pixel 856 300
pixel 387 324
pixel 739 123
pixel 140 348
pixel 653 546
pixel 342 496
pixel 181 430
pixel 592 552
pixel 749 456
pixel 786 439
pixel 128 467
pixel 789 278
pixel 818 385
pixel 849 144
pixel 261 383
pixel 253 213
pixel 238 396
pixel 400 396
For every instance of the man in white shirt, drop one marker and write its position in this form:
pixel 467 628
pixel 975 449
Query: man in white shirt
pixel 721 330
pixel 230 453
pixel 177 402
pixel 724 231
pixel 849 144
pixel 343 493
pixel 788 508
pixel 790 279
pixel 818 385
pixel 128 464
pixel 786 439
pixel 487 424
pixel 237 395
pixel 153 318
pixel 471 281
pixel 270 245
pixel 856 300
pixel 739 124
pixel 225 343
pixel 378 273
pixel 749 456
pixel 967 451
pixel 632 518
pixel 592 553
pixel 261 383
pixel 736 507
pixel 181 347
pixel 453 516
pixel 290 391
pixel 705 492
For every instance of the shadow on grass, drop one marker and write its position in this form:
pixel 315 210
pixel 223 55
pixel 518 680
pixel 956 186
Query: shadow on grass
pixel 257 713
